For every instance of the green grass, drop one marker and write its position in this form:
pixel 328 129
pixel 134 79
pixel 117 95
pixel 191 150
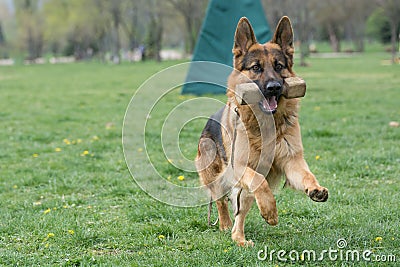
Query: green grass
pixel 45 194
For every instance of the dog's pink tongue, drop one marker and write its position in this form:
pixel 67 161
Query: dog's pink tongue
pixel 270 103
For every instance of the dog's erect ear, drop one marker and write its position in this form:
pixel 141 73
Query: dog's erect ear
pixel 284 35
pixel 244 37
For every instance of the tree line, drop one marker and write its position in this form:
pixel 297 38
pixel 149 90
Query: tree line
pixel 90 28
pixel 95 27
pixel 336 20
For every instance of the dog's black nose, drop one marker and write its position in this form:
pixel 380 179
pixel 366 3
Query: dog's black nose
pixel 274 86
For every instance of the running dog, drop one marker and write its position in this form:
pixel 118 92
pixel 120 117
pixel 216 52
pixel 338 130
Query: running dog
pixel 236 159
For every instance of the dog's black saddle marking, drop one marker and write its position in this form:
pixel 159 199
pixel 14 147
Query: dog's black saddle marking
pixel 213 131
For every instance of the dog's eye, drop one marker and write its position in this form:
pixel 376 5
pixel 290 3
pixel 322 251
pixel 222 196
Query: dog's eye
pixel 279 67
pixel 256 68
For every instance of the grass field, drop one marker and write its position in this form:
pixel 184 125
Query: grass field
pixel 67 197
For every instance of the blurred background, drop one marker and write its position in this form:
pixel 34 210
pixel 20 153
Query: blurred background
pixel 36 31
pixel 67 197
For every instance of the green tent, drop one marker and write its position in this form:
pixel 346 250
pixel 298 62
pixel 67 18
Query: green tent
pixel 215 41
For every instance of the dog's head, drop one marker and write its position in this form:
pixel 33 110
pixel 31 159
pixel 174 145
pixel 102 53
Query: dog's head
pixel 265 64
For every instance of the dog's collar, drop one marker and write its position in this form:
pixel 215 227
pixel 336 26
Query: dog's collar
pixel 237 111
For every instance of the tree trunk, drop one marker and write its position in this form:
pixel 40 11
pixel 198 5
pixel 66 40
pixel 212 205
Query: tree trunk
pixel 2 38
pixel 191 34
pixel 38 45
pixel 304 35
pixel 116 46
pixel 159 33
pixel 335 42
pixel 31 45
pixel 360 47
pixel 189 39
pixel 393 39
pixel 115 33
pixel 357 35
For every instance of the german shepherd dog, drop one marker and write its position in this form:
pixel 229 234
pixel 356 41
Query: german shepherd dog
pixel 230 159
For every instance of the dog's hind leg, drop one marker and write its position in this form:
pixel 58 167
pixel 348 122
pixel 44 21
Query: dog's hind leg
pixel 209 166
pixel 225 222
pixel 244 202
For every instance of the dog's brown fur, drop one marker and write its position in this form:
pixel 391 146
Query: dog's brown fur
pixel 245 172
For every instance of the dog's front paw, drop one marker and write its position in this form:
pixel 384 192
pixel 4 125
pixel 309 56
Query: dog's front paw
pixel 245 243
pixel 241 241
pixel 319 194
pixel 268 209
pixel 271 217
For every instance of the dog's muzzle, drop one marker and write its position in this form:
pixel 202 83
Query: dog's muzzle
pixel 272 93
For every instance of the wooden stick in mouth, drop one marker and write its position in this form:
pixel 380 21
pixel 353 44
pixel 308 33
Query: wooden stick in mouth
pixel 249 93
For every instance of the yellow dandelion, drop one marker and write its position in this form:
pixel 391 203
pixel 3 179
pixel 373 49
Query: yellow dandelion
pixel 66 141
pixel 392 238
pixel 161 237
pixel 35 155
pixel 47 211
pixel 55 208
pixel 95 138
pixel 181 178
pixel 71 232
pixel 169 177
pixel 65 207
pixel 317 157
pixel 57 149
pixel 50 235
pixel 78 141
pixel 15 186
pixel 378 239
pixel 140 253
pixel 225 250
pixel 85 153
pixel 47 245
pixel 366 167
